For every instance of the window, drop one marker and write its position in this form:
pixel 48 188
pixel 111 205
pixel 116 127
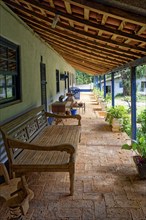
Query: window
pixel 9 72
pixel 143 85
pixel 57 81
pixel 120 84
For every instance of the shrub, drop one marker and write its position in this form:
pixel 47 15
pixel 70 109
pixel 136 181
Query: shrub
pixel 107 99
pixel 118 111
pixel 142 119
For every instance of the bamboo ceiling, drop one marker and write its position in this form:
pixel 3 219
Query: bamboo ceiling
pixel 93 37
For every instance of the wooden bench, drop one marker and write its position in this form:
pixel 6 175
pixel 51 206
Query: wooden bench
pixel 34 146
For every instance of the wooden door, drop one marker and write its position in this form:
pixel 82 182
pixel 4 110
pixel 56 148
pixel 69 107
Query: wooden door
pixel 43 85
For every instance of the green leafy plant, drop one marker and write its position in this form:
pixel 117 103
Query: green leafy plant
pixel 107 99
pixel 127 124
pixel 116 112
pixel 142 120
pixel 138 146
pixel 99 93
pixel 120 112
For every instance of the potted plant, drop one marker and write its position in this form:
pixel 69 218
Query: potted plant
pixel 139 147
pixel 115 117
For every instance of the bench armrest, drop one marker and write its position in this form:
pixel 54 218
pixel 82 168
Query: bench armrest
pixel 52 115
pixel 16 144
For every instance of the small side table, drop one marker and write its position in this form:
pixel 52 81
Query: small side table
pixel 79 106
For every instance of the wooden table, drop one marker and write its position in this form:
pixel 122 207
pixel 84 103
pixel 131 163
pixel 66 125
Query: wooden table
pixel 79 106
pixel 61 107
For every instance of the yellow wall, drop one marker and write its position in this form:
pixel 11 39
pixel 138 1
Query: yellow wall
pixel 31 50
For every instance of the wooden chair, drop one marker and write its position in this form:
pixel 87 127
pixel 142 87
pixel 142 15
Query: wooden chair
pixel 16 193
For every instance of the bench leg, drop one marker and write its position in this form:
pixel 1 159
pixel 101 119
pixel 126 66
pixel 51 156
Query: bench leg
pixel 71 176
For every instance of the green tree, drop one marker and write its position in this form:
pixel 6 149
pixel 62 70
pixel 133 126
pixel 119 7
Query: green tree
pixel 141 71
pixel 83 78
pixel 126 76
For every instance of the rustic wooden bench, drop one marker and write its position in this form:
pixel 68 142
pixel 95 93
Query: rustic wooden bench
pixel 34 146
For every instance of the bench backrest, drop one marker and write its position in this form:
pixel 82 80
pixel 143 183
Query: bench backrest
pixel 24 128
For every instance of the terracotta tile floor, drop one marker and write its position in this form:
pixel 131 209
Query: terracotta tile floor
pixel 107 186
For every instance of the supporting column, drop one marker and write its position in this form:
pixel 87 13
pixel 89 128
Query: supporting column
pixel 113 89
pixel 133 102
pixel 100 83
pixel 104 86
pixel 96 81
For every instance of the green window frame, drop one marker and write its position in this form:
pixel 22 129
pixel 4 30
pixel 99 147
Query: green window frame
pixel 9 72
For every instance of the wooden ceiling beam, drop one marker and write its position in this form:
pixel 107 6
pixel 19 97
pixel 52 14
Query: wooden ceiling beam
pixel 101 62
pixel 65 41
pixel 142 44
pixel 121 26
pixel 127 41
pixel 86 63
pixel 141 30
pixel 110 11
pixel 68 8
pixel 69 11
pixel 17 1
pixel 88 23
pixel 93 48
pixel 28 5
pixel 86 17
pixel 109 41
pixel 84 22
pixel 80 51
pixel 67 28
pixel 76 51
pixel 85 49
pixel 86 14
pixel 52 3
pixel 117 51
pixel 104 19
pixel 84 68
pixel 81 39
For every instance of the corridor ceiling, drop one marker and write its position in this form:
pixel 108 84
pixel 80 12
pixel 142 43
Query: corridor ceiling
pixel 93 36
